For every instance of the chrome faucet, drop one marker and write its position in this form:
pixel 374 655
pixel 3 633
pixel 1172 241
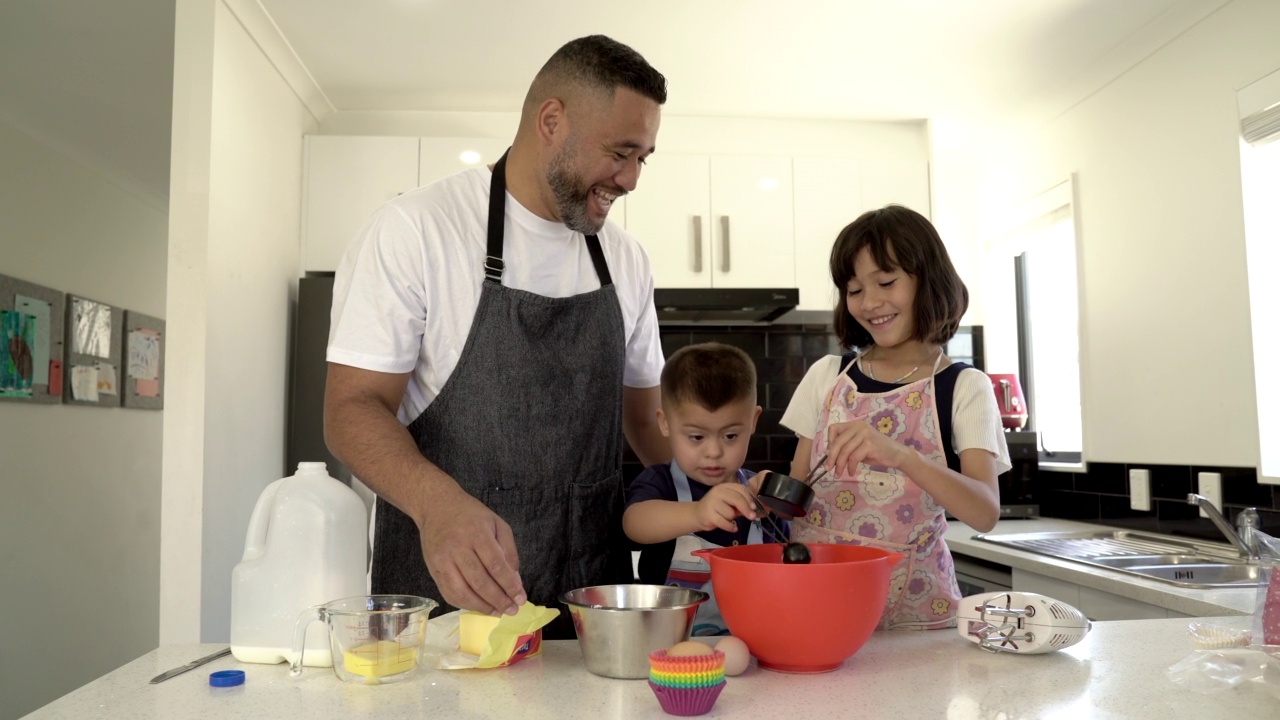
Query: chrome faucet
pixel 1246 522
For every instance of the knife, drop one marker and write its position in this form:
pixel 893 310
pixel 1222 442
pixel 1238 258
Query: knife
pixel 189 666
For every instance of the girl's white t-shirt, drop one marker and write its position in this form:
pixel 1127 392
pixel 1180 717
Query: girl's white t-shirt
pixel 407 288
pixel 975 417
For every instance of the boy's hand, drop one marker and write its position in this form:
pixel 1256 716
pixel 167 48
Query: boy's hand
pixel 722 505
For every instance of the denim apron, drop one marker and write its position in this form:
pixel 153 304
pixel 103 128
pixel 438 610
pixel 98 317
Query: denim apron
pixel 530 424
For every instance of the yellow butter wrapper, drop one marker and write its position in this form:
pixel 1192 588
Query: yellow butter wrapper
pixel 516 637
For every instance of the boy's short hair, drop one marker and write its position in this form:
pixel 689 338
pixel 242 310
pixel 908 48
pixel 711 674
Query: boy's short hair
pixel 710 374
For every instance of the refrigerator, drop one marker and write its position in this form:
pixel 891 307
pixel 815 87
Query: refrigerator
pixel 307 369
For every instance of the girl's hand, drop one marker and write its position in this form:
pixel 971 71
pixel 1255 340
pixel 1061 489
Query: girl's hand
pixel 856 442
pixel 722 505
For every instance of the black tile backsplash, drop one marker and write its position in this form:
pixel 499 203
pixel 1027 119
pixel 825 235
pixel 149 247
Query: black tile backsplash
pixel 782 354
pixel 1101 495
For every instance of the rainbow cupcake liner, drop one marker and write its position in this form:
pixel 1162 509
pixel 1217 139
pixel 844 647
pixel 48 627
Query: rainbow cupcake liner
pixel 686 680
pixel 659 660
pixel 687 701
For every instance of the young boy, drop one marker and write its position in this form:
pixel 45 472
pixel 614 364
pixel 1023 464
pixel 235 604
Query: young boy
pixel 703 498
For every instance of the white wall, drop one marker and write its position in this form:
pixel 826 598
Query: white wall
pixel 235 204
pixel 1166 342
pixel 80 514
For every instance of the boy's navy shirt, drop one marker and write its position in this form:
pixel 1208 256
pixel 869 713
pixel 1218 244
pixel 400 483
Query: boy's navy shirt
pixel 656 483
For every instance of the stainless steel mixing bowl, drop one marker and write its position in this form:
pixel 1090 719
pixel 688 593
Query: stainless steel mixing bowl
pixel 619 625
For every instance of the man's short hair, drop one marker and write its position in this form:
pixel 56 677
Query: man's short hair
pixel 600 64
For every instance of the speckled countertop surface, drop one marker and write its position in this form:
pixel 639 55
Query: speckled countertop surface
pixel 1117 671
pixel 1199 602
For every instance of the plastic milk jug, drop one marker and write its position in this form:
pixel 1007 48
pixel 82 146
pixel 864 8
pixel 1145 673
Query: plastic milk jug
pixel 307 545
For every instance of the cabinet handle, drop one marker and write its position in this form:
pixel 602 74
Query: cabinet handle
pixel 724 233
pixel 697 243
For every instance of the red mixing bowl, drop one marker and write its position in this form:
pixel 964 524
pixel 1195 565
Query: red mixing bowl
pixel 801 618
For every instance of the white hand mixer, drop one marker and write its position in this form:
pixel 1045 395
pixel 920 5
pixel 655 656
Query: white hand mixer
pixel 1020 622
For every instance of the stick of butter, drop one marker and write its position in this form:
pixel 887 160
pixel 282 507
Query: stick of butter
pixel 473 631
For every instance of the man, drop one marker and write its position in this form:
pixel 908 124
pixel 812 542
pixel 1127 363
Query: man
pixel 492 340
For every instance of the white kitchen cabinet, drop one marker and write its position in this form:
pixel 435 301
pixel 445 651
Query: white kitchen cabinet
pixel 828 196
pixel 830 193
pixel 346 178
pixel 440 157
pixel 716 221
pixel 1095 604
pixel 669 213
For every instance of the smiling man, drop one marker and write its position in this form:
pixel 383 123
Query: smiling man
pixel 493 337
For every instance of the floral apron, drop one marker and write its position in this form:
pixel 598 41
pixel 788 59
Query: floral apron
pixel 882 507
pixel 691 571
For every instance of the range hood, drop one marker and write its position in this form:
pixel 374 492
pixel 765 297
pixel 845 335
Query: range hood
pixel 723 306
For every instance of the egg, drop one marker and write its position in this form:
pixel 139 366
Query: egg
pixel 736 654
pixel 688 648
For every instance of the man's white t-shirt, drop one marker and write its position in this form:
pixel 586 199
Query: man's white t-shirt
pixel 407 289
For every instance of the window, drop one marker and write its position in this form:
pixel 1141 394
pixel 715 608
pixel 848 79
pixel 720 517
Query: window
pixel 1035 320
pixel 1260 182
pixel 1049 336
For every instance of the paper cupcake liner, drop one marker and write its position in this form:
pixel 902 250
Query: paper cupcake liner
pixel 687 701
pixel 1208 637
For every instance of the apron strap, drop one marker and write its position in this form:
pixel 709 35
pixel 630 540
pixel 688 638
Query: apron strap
pixel 493 262
pixel 681 482
pixel 597 259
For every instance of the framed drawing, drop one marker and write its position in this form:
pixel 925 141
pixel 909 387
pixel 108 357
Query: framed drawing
pixel 31 340
pixel 94 352
pixel 144 361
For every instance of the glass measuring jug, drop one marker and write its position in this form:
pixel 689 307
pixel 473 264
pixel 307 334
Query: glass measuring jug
pixel 375 639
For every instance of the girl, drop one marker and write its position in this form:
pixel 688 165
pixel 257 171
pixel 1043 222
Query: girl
pixel 905 433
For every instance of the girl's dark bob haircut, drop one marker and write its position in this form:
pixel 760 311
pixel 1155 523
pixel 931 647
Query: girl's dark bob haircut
pixel 900 237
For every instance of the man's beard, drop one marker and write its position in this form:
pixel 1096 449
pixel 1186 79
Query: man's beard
pixel 571 193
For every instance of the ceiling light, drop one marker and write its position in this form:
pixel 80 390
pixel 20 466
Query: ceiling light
pixel 469 157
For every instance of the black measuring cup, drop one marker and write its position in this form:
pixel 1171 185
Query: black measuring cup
pixel 787 497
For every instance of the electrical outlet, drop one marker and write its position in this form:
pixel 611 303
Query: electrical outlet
pixel 1140 489
pixel 1210 486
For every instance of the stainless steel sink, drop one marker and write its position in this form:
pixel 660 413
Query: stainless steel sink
pixel 1200 574
pixel 1177 561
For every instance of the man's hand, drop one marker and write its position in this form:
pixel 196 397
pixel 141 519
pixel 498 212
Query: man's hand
pixel 722 505
pixel 471 554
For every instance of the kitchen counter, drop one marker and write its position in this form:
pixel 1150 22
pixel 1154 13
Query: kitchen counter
pixel 1117 671
pixel 1198 602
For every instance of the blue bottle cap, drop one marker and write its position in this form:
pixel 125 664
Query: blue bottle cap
pixel 226 678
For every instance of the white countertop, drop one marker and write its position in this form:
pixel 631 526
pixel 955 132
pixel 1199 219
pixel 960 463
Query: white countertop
pixel 1199 602
pixel 1117 671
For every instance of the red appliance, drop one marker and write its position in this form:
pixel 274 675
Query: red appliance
pixel 1009 397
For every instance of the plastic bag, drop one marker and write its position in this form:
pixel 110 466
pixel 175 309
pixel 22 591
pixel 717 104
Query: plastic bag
pixel 1266 614
pixel 1212 671
pixel 1228 657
